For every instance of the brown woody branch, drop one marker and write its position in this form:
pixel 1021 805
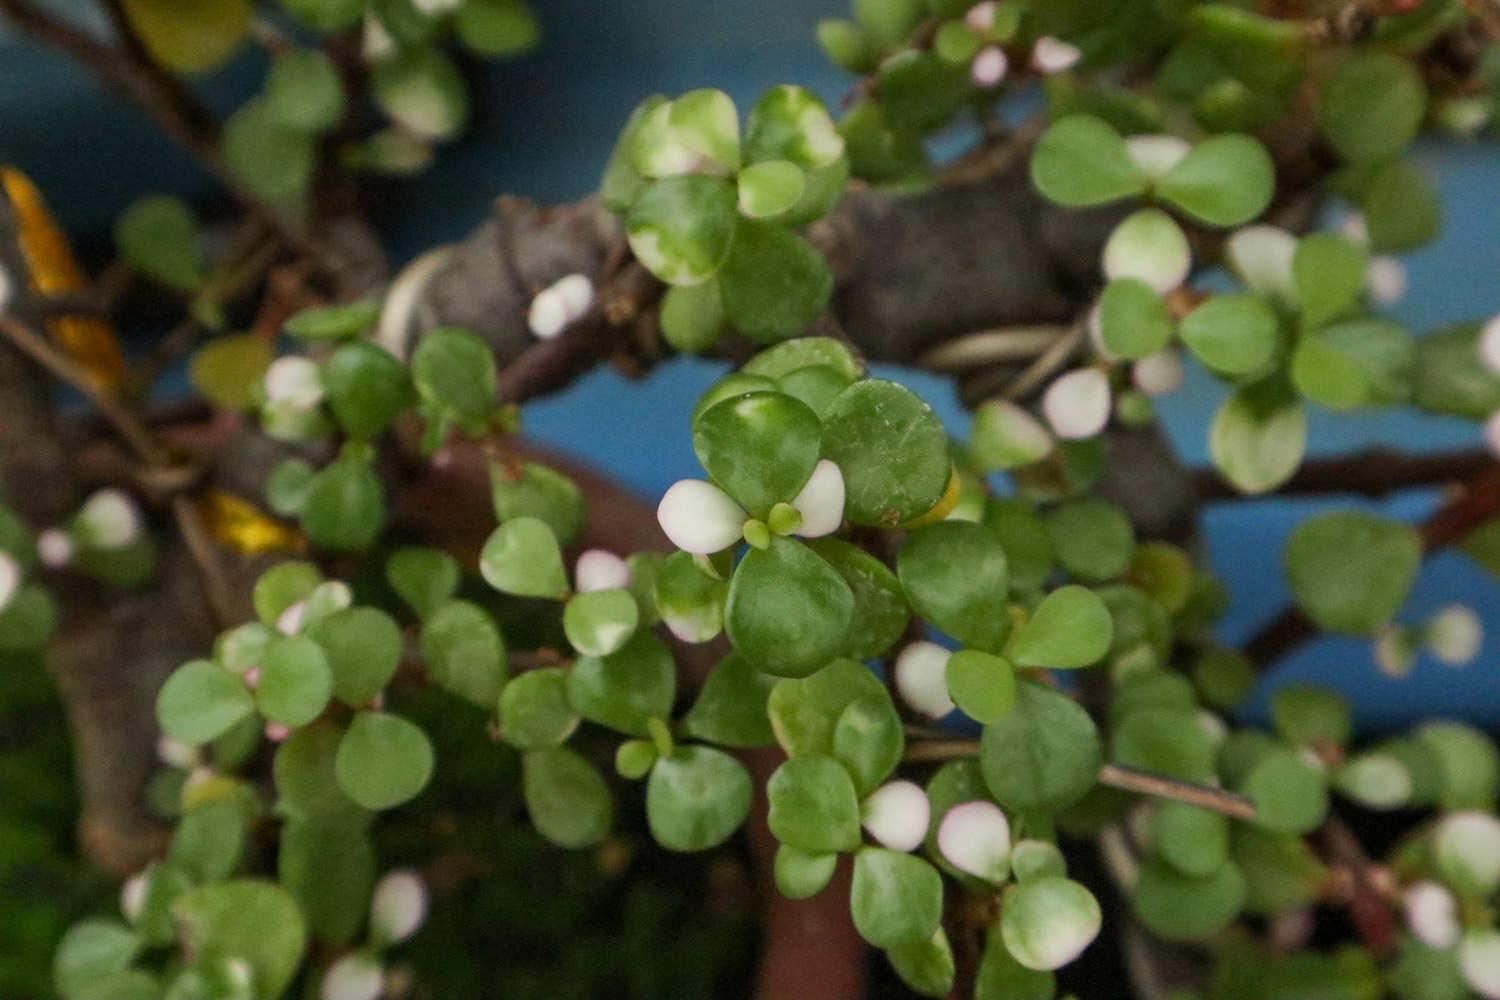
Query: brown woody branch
pixel 120 417
pixel 1376 472
pixel 1369 908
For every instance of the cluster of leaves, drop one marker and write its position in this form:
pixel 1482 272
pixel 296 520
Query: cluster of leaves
pixel 838 529
pixel 799 446
pixel 715 214
pixel 271 144
pixel 1303 326
pixel 1441 868
pixel 924 63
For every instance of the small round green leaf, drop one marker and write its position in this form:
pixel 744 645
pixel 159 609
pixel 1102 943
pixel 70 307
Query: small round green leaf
pixel 984 686
pixel 303 90
pixel 954 573
pixel 813 806
pixel 201 701
pixel 534 710
pixel 497 28
pixel 528 489
pixel 159 237
pixel 344 509
pixel 706 122
pixel 788 611
pixel 1372 106
pixel 1047 922
pixel 1233 334
pixel 1164 741
pixel 91 950
pixel 271 160
pixel 464 653
pixel 1082 161
pixel 790 123
pixel 681 228
pixel 760 447
pixel 774 282
pixel 1133 319
pixel 731 707
pixel 1182 907
pixel 868 739
pixel 892 450
pixel 1329 271
pixel 880 610
pixel 925 966
pixel 1091 538
pixel 769 189
pixel 423 577
pixel 255 922
pixel 366 388
pixel 522 558
pixel 627 688
pixel 1290 795
pixel 601 621
pixel 422 90
pixel 454 372
pixel 697 798
pixel 383 760
pixel 1258 437
pixel 805 711
pixel 363 648
pixel 1351 571
pixel 1043 754
pixel 1192 840
pixel 295 681
pixel 1225 181
pixel 895 898
pixel 692 316
pixel 305 774
pixel 1071 628
pixel 801 874
pixel 566 797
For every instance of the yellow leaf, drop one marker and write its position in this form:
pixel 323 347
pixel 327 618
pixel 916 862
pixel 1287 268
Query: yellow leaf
pixel 53 271
pixel 189 36
pixel 227 370
pixel 941 509
pixel 239 525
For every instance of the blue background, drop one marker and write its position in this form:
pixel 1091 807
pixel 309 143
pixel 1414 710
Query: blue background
pixel 543 127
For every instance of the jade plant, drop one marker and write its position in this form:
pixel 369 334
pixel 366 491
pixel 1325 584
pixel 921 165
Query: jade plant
pixel 962 685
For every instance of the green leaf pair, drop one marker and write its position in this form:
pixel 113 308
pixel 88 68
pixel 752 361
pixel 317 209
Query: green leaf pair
pixel 1082 161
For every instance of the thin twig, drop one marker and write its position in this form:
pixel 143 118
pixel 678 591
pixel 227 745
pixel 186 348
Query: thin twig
pixel 153 456
pixel 247 268
pixel 1126 779
pixel 200 545
pixel 1046 363
pixel 120 416
pixel 988 347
